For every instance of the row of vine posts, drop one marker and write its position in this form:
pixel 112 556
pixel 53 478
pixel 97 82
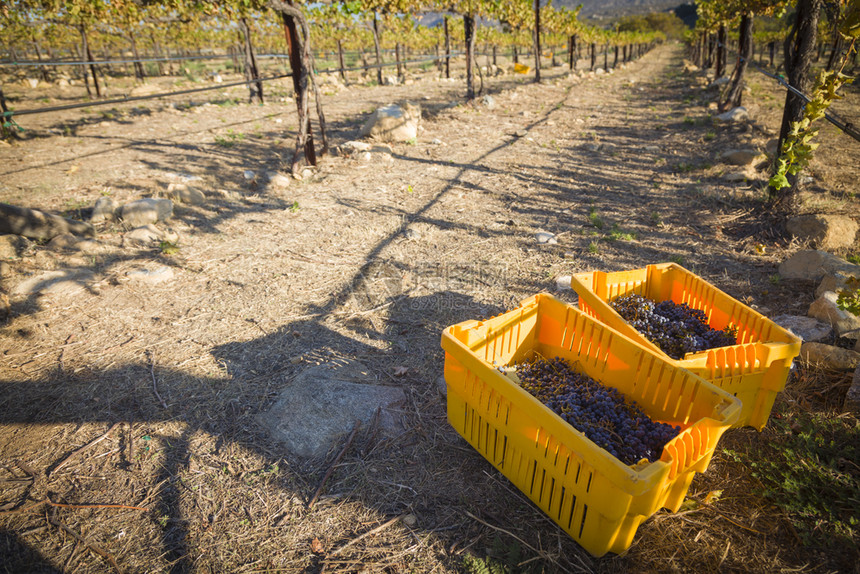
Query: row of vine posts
pixel 515 17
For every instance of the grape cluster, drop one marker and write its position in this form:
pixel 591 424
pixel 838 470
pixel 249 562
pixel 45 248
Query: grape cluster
pixel 677 329
pixel 600 412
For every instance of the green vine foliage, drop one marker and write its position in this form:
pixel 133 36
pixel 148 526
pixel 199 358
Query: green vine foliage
pixel 848 299
pixel 797 148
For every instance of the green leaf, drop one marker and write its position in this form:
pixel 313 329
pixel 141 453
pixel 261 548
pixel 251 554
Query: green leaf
pixel 779 181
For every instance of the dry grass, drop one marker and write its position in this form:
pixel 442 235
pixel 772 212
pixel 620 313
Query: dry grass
pixel 169 378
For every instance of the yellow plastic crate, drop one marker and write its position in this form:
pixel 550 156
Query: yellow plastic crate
pixel 590 494
pixel 754 370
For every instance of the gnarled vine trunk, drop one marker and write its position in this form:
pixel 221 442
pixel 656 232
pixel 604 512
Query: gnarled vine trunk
pixel 376 47
pixel 469 26
pixel 298 39
pixel 447 49
pixel 735 92
pixel 252 75
pixel 537 40
pixel 800 48
pixel 720 69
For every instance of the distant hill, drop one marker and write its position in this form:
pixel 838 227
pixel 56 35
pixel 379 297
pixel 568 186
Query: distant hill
pixel 611 9
pixel 597 11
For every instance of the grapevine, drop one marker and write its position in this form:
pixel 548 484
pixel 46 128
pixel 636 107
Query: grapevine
pixel 601 413
pixel 848 299
pixel 797 148
pixel 676 328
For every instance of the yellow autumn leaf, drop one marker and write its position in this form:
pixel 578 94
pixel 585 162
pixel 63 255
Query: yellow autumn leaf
pixel 713 496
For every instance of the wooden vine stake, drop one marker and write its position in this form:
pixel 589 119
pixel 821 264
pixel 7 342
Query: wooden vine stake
pixel 297 35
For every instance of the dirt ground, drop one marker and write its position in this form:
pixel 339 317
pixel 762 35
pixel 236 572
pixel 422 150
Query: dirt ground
pixel 366 261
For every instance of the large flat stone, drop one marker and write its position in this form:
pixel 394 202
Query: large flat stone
pixel 393 123
pixel 741 157
pixel 832 357
pixel 824 231
pixel 145 211
pixel 59 283
pixel 324 402
pixel 813 265
pixel 832 282
pixel 826 309
pixel 809 329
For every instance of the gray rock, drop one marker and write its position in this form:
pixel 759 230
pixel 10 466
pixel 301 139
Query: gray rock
pixel 249 174
pixel 832 282
pixel 436 141
pixel 546 237
pixel 652 148
pixel 12 246
pixel 592 147
pixel 562 283
pixel 830 356
pixel 182 193
pixel 488 101
pixel 308 173
pixel 719 82
pixel 741 157
pixel 38 224
pixel 521 133
pixel 58 283
pixel 807 328
pixel 145 211
pixel 104 210
pixel 411 234
pixel 90 247
pixel 852 397
pixel 353 147
pixel 278 180
pixel 393 123
pixel 737 114
pixel 735 176
pixel 324 402
pixel 814 265
pixel 147 236
pixel 825 232
pixel 64 242
pixel 144 236
pixel 151 276
pixel 844 323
